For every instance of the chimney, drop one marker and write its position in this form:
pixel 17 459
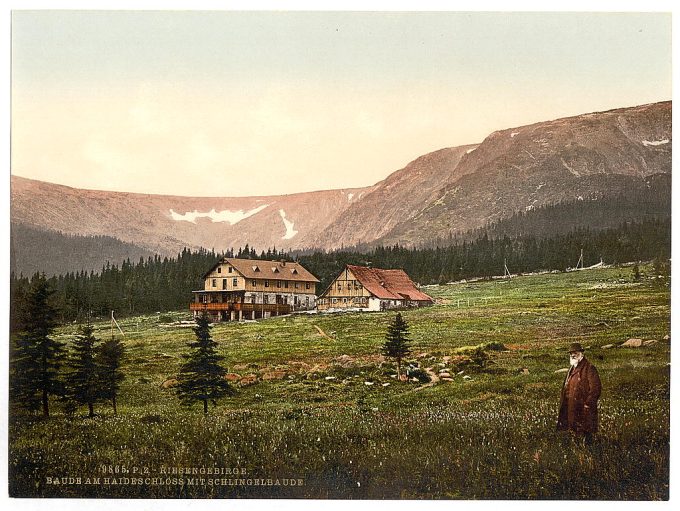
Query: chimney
pixel 283 262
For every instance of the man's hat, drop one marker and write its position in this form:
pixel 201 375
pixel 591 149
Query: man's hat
pixel 575 346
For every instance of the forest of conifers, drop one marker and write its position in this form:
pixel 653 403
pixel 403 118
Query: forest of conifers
pixel 158 284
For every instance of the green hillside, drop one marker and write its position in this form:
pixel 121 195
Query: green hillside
pixel 326 414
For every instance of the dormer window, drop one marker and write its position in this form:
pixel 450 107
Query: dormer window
pixel 294 271
pixel 275 269
pixel 256 268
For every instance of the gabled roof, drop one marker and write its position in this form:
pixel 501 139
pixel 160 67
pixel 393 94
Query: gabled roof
pixel 388 284
pixel 259 269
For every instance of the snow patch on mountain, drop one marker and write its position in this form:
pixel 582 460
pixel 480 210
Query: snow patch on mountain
pixel 290 232
pixel 226 215
pixel 648 143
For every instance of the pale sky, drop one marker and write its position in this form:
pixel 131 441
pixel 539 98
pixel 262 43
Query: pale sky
pixel 259 103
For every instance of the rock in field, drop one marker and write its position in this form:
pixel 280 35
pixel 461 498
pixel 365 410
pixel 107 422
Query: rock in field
pixel 649 342
pixel 563 370
pixel 169 383
pixel 232 377
pixel 248 379
pixel 274 375
pixel 632 343
pixel 607 346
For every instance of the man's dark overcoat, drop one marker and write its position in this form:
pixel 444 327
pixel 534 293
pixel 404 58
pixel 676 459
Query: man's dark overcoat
pixel 580 392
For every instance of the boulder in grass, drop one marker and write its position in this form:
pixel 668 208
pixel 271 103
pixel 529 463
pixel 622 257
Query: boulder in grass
pixel 649 342
pixel 563 370
pixel 444 375
pixel 169 383
pixel 607 346
pixel 632 343
pixel 666 337
pixel 274 375
pixel 232 377
pixel 447 379
pixel 248 379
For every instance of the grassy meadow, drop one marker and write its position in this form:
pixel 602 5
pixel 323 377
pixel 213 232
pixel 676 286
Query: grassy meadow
pixel 325 417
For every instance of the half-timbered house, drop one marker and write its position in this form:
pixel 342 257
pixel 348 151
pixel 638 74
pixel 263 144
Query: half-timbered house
pixel 371 289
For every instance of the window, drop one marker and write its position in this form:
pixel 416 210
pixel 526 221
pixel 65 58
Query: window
pixel 344 300
pixel 265 298
pixel 214 282
pixel 254 283
pixel 307 285
pixel 335 300
pixel 219 269
pixel 285 284
pixel 266 283
pixel 230 269
pixel 278 283
pixel 253 298
pixel 297 285
pixel 339 286
pixel 224 283
pixel 234 282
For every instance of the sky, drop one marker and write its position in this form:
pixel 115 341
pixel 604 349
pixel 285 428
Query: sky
pixel 233 103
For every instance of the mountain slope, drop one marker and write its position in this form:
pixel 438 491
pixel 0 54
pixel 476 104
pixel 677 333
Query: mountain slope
pixel 587 157
pixel 36 250
pixel 582 157
pixel 397 197
pixel 165 224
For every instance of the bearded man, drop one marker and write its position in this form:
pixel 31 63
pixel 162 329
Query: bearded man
pixel 580 392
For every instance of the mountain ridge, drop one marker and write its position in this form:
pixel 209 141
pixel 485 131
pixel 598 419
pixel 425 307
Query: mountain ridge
pixel 436 195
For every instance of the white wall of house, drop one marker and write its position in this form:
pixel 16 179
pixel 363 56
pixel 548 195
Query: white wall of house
pixel 374 304
pixel 304 301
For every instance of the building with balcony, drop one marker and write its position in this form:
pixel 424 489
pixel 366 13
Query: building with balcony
pixel 236 289
pixel 371 289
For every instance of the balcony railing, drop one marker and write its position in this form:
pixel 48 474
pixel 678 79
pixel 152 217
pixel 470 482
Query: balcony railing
pixel 279 308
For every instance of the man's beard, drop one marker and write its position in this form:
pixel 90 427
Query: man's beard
pixel 574 361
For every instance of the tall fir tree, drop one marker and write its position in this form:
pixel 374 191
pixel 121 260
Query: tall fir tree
pixel 201 377
pixel 397 341
pixel 109 361
pixel 82 380
pixel 37 357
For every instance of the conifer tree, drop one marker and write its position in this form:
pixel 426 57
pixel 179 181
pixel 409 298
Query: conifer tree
pixel 83 382
pixel 201 377
pixel 109 360
pixel 37 357
pixel 397 342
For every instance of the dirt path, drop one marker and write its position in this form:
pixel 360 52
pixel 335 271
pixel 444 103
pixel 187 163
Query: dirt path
pixel 434 379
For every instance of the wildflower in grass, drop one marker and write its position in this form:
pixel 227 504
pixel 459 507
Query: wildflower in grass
pixel 201 377
pixel 397 342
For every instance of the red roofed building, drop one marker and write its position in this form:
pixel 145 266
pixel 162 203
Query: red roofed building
pixel 373 289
